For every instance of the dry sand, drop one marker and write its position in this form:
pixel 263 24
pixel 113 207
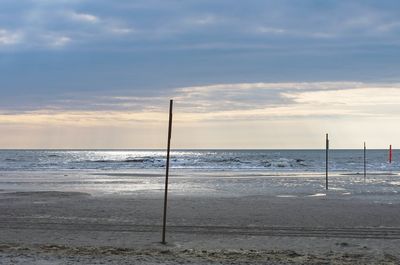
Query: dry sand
pixel 53 227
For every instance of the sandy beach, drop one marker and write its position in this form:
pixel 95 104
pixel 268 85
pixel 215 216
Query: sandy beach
pixel 302 224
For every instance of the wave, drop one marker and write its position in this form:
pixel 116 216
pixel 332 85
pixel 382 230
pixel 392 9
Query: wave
pixel 225 160
pixel 141 160
pixel 53 155
pixel 281 160
pixel 127 160
pixel 11 160
pixel 284 162
pixel 193 162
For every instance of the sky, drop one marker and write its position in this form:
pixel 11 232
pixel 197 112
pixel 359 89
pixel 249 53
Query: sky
pixel 243 74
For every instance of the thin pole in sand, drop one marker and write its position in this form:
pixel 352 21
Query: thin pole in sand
pixel 167 172
pixel 365 161
pixel 326 162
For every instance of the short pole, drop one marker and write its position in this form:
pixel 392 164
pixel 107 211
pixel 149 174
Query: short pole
pixel 365 161
pixel 326 162
pixel 167 172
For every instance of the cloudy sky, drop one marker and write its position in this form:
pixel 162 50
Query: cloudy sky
pixel 244 74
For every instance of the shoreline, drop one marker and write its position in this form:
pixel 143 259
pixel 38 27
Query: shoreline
pixel 61 227
pixel 211 220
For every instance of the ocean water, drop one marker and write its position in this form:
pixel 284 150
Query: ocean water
pixel 282 173
pixel 350 161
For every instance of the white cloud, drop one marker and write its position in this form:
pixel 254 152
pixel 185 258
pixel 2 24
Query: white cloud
pixel 387 27
pixel 368 23
pixel 271 30
pixel 227 112
pixel 121 30
pixel 295 32
pixel 59 41
pixel 230 102
pixel 274 100
pixel 9 38
pixel 205 20
pixel 83 17
pixel 249 101
pixel 259 101
pixel 251 95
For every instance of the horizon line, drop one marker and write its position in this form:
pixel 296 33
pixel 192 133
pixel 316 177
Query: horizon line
pixel 182 149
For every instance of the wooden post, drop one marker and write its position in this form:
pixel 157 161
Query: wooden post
pixel 167 172
pixel 326 162
pixel 365 162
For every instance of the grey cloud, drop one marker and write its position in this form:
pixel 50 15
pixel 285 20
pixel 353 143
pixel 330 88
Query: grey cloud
pixel 86 50
pixel 194 23
pixel 201 99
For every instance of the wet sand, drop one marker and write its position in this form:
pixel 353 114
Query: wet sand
pixel 70 227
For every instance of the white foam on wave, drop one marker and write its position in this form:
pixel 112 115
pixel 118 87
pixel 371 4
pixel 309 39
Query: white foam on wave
pixel 337 188
pixel 317 195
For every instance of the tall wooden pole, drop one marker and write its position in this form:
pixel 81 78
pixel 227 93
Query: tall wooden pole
pixel 167 172
pixel 326 162
pixel 365 162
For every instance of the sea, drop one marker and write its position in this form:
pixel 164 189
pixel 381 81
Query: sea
pixel 351 161
pixel 222 173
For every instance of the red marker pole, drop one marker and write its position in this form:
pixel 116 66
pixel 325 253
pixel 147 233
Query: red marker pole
pixel 390 154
